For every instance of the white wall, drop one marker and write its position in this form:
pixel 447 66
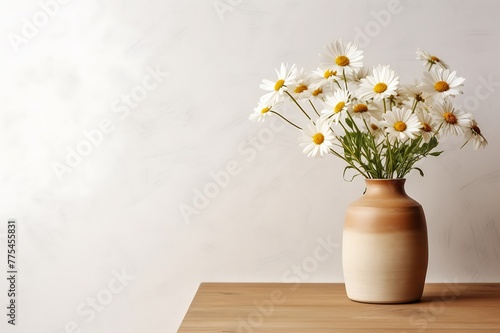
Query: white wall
pixel 118 211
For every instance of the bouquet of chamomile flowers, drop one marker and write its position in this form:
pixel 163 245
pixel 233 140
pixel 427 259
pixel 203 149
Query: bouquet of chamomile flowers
pixel 365 116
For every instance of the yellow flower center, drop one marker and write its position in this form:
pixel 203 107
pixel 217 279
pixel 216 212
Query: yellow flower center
pixel 279 84
pixel 265 110
pixel 476 129
pixel 316 92
pixel 339 107
pixel 380 87
pixel 328 73
pixel 434 58
pixel 342 61
pixel 300 88
pixel 441 86
pixel 360 108
pixel 318 138
pixel 426 127
pixel 399 126
pixel 450 118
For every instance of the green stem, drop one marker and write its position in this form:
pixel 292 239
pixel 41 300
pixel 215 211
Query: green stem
pixel 350 163
pixel 389 160
pixel 314 108
pixel 297 103
pixel 345 79
pixel 288 121
pixel 373 146
pixel 414 106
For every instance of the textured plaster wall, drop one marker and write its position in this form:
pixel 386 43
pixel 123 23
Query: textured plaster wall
pixel 169 85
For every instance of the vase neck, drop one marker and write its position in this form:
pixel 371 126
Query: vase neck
pixel 388 187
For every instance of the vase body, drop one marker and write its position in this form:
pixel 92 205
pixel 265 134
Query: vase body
pixel 384 247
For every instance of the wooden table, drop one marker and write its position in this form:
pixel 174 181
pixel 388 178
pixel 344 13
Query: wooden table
pixel 324 307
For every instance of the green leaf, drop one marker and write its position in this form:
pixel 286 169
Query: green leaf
pixel 348 122
pixel 433 142
pixel 419 171
pixel 436 153
pixel 345 170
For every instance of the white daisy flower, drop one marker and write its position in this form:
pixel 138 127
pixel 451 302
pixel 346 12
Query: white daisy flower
pixel 401 124
pixel 262 110
pixel 354 79
pixel 412 91
pixel 365 110
pixel 357 76
pixel 277 88
pixel 335 104
pixel 422 105
pixel 343 58
pixel 317 139
pixel 324 74
pixel 474 134
pixel 324 79
pixel 381 84
pixel 376 130
pixel 429 125
pixel 318 90
pixel 440 82
pixel 451 120
pixel 299 87
pixel 430 60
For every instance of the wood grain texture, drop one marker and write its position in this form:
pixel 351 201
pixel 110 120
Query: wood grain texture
pixel 324 307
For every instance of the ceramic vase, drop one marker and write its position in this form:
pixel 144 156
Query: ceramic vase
pixel 385 249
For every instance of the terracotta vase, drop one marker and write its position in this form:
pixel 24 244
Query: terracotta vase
pixel 385 250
